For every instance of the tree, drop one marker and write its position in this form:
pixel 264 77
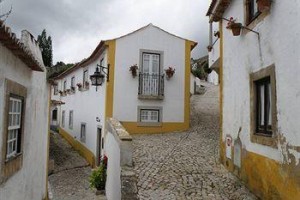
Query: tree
pixel 4 16
pixel 45 44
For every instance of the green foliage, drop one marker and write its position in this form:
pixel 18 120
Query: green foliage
pixel 45 44
pixel 98 178
pixel 58 68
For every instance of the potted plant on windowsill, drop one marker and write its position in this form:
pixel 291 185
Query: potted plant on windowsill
pixel 72 89
pixel 209 48
pixel 170 72
pixel 79 85
pixel 263 5
pixel 234 26
pixel 133 70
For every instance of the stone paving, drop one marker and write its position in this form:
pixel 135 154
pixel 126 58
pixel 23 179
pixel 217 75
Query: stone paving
pixel 185 165
pixel 71 173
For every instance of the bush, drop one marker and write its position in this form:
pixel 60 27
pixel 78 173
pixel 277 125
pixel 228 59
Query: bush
pixel 98 177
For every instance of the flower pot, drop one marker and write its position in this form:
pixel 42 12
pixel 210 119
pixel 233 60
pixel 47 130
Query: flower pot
pixel 134 73
pixel 263 5
pixel 209 48
pixel 236 28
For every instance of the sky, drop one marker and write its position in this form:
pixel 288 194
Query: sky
pixel 77 26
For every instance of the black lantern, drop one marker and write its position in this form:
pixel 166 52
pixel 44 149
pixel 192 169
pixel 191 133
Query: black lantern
pixel 98 77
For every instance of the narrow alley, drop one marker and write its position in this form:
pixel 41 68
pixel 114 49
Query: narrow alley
pixel 70 178
pixel 185 165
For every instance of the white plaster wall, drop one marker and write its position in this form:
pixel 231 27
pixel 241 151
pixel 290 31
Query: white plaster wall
pixel 214 55
pixel 213 77
pixel 113 182
pixel 29 183
pixel 192 83
pixel 126 88
pixel 86 105
pixel 245 54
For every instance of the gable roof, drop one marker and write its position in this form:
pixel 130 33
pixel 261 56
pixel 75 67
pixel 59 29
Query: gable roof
pixel 217 9
pixel 11 42
pixel 101 46
pixel 151 25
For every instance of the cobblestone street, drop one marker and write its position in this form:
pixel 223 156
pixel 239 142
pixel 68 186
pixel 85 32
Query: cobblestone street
pixel 71 173
pixel 185 165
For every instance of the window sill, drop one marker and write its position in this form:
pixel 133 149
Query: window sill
pixel 255 21
pixel 149 97
pixel 13 157
pixel 266 140
pixel 150 124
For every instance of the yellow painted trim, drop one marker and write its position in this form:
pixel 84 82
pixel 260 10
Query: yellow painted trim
pixel 80 148
pixel 188 47
pixel 109 102
pixel 269 179
pixel 222 150
pixel 134 128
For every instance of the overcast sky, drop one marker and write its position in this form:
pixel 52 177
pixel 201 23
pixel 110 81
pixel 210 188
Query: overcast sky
pixel 76 27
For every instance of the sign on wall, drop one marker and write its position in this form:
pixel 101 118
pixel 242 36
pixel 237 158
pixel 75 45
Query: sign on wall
pixel 228 142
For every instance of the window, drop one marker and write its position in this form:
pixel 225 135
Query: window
pixel 85 78
pixel 54 114
pixel 263 107
pixel 149 116
pixel 252 10
pixel 151 82
pixel 71 119
pixel 83 132
pixel 65 85
pixel 63 118
pixel 73 83
pixel 11 158
pixel 13 146
pixel 55 88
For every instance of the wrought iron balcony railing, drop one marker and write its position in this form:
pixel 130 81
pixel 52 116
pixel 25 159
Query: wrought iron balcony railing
pixel 151 86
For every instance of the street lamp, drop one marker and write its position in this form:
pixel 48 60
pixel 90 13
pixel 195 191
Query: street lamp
pixel 98 77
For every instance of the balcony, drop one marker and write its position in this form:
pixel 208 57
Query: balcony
pixel 214 56
pixel 151 86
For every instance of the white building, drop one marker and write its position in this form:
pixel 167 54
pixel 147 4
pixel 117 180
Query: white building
pixel 147 103
pixel 23 117
pixel 260 95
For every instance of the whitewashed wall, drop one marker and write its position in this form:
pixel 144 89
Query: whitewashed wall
pixel 113 182
pixel 213 78
pixel 86 105
pixel 126 88
pixel 30 181
pixel 243 55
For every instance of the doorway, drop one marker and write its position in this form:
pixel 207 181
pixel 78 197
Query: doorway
pixel 99 145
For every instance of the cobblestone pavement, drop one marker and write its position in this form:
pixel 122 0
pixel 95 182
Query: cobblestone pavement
pixel 185 165
pixel 71 173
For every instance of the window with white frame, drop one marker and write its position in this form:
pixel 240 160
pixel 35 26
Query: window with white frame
pixel 149 115
pixel 85 78
pixel 73 83
pixel 55 88
pixel 65 85
pixel 83 132
pixel 14 127
pixel 71 119
pixel 63 118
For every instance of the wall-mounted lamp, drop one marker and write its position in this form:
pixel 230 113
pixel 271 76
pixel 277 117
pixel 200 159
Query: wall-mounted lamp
pixel 98 77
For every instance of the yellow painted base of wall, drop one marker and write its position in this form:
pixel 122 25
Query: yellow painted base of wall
pixel 80 148
pixel 265 177
pixel 133 128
